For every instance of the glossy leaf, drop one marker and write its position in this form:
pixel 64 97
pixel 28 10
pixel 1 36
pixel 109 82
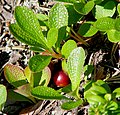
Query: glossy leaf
pixel 71 104
pixel 38 62
pixel 84 9
pixel 95 99
pixel 104 24
pixel 117 24
pixel 75 66
pixel 25 37
pixel 118 8
pixel 87 30
pixel 103 84
pixel 3 96
pixel 43 92
pixel 113 35
pixel 73 15
pixel 105 9
pixel 117 92
pixel 68 47
pixel 14 75
pixel 52 37
pixel 112 105
pixel 29 23
pixel 58 16
pixel 98 90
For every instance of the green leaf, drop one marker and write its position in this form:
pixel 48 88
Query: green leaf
pixel 87 30
pixel 25 37
pixel 3 96
pixel 58 16
pixel 37 49
pixel 118 8
pixel 42 17
pixel 73 15
pixel 113 35
pixel 38 62
pixel 105 9
pixel 117 24
pixel 117 92
pixel 25 90
pixel 104 24
pixel 28 22
pixel 95 99
pixel 46 76
pixel 35 78
pixel 14 75
pixel 84 9
pixel 108 97
pixel 52 37
pixel 71 104
pixel 75 66
pixel 112 105
pixel 103 84
pixel 68 47
pixel 98 90
pixel 27 74
pixel 43 92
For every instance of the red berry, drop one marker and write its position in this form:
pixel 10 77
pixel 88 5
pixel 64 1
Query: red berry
pixel 61 79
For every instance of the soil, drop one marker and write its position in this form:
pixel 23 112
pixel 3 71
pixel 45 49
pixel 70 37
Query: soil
pixel 104 55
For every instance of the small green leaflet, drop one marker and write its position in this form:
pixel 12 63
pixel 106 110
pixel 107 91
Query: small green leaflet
pixel 105 9
pixel 58 16
pixel 113 35
pixel 75 66
pixel 3 96
pixel 84 9
pixel 118 9
pixel 87 30
pixel 117 92
pixel 71 104
pixel 68 47
pixel 104 24
pixel 38 62
pixel 43 92
pixel 52 37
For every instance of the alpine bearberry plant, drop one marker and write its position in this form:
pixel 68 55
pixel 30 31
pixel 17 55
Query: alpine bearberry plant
pixel 54 37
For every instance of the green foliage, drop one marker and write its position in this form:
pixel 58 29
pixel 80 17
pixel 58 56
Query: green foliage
pixel 75 66
pixel 60 14
pixel 102 100
pixel 87 29
pixel 71 104
pixel 82 8
pixel 68 47
pixel 54 37
pixel 105 9
pixel 14 75
pixel 43 92
pixel 39 62
pixel 3 95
